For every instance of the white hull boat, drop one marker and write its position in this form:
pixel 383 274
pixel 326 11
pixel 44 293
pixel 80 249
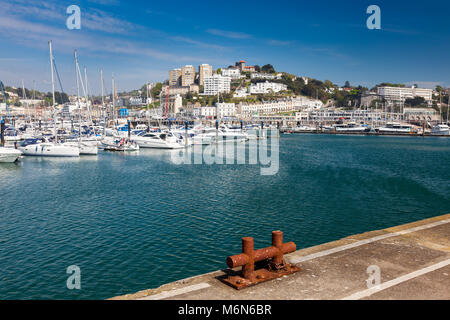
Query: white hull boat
pixel 8 155
pixel 86 147
pixel 47 149
pixel 441 130
pixel 158 140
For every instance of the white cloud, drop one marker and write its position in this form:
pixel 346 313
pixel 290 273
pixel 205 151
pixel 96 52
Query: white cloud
pixel 229 34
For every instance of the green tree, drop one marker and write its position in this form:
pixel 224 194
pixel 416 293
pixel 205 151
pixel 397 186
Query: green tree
pixel 268 68
pixel 156 90
pixel 416 101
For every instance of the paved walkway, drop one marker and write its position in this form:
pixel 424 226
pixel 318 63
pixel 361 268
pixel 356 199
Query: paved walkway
pixel 413 261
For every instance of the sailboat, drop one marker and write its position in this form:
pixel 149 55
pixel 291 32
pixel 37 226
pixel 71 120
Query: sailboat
pixel 441 129
pixel 42 147
pixel 85 145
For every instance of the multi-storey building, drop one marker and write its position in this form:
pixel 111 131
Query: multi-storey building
pixel 187 75
pixel 172 104
pixel 266 87
pixel 174 77
pixel 400 94
pixel 233 73
pixel 208 111
pixel 217 84
pixel 193 88
pixel 268 76
pixel 226 109
pixel 205 70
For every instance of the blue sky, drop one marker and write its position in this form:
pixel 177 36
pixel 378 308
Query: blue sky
pixel 141 40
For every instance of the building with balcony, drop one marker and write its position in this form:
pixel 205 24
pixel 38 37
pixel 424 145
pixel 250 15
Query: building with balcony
pixel 217 84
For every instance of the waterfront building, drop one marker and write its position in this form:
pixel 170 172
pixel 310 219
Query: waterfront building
pixel 273 107
pixel 175 77
pixel 205 70
pixel 187 75
pixel 208 112
pixel 172 104
pixel 217 84
pixel 226 109
pixel 400 94
pixel 266 87
pixel 421 114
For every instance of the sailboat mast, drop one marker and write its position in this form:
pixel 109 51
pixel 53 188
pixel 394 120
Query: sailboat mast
pixel 78 92
pixel 87 95
pixel 51 68
pixel 101 84
pixel 53 89
pixel 113 97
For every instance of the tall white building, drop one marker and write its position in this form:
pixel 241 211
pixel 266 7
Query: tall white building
pixel 400 94
pixel 266 87
pixel 217 84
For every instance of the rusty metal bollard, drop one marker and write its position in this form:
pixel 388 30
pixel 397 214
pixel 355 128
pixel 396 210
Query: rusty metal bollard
pixel 273 267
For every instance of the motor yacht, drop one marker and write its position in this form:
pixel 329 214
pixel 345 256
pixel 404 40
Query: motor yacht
pixel 159 140
pixel 9 155
pixel 395 127
pixel 37 147
pixel 441 129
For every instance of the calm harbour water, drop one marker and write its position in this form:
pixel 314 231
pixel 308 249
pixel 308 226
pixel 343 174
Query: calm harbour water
pixel 134 222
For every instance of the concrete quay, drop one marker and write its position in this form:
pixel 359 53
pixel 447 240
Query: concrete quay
pixel 412 260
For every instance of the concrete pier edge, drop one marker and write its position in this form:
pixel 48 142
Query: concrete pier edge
pixel 409 231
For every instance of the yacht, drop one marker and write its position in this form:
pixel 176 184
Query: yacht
pixel 9 155
pixel 37 147
pixel 208 135
pixel 351 127
pixel 158 140
pixel 119 144
pixel 395 127
pixel 87 147
pixel 441 129
pixel 301 129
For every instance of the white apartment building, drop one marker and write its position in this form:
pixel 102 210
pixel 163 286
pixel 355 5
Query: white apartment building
pixel 400 94
pixel 217 84
pixel 299 103
pixel 264 108
pixel 233 73
pixel 226 109
pixel 246 110
pixel 267 76
pixel 241 93
pixel 266 87
pixel 208 111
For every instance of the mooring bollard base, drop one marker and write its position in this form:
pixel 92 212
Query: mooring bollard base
pixel 238 282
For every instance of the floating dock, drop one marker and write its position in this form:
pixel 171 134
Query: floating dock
pixel 410 261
